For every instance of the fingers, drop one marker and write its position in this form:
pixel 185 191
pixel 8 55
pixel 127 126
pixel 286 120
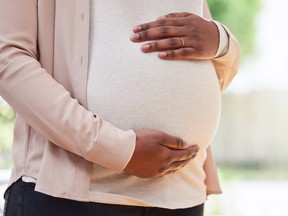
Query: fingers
pixel 160 22
pixel 177 165
pixel 172 19
pixel 173 142
pixel 165 44
pixel 177 15
pixel 183 53
pixel 183 155
pixel 179 36
pixel 158 33
pixel 174 48
pixel 179 150
pixel 169 26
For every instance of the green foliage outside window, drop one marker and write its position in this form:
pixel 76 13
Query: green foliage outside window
pixel 7 116
pixel 239 16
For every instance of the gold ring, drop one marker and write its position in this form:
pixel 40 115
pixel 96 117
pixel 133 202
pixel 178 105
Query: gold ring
pixel 182 40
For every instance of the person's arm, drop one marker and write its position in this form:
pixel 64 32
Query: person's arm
pixel 188 36
pixel 45 104
pixel 49 108
pixel 227 64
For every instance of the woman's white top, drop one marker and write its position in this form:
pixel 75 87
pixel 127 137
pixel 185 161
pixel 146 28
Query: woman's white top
pixel 134 90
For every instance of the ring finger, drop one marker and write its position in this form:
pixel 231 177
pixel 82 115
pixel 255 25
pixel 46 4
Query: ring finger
pixel 165 44
pixel 158 33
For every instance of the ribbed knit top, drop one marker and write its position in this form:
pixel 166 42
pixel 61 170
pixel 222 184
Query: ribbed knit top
pixel 135 90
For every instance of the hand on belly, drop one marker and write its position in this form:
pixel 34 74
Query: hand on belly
pixel 158 153
pixel 135 90
pixel 179 36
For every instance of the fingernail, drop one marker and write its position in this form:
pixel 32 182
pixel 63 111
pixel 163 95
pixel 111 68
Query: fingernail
pixel 163 54
pixel 134 37
pixel 137 28
pixel 145 47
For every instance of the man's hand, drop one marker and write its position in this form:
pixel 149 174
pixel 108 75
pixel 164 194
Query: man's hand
pixel 157 154
pixel 179 36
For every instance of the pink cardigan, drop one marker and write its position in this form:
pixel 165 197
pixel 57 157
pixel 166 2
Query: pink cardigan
pixel 43 76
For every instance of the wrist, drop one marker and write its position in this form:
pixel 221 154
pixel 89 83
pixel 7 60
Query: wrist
pixel 223 40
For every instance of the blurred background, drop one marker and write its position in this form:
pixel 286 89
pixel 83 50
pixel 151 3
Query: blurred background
pixel 251 146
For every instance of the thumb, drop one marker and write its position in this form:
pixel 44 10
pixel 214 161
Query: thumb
pixel 174 142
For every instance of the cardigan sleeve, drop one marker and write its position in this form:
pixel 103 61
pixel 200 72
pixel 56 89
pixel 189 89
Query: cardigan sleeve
pixel 227 65
pixel 44 103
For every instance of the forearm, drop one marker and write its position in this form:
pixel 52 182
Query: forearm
pixel 47 107
pixel 227 59
pixel 44 103
pixel 226 66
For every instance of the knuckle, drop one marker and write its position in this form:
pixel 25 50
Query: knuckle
pixel 184 52
pixel 173 42
pixel 143 35
pixel 187 24
pixel 164 30
pixel 175 22
pixel 171 54
pixel 154 45
pixel 145 26
pixel 162 22
pixel 194 36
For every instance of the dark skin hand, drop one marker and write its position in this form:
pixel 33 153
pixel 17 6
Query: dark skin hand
pixel 200 37
pixel 158 153
pixel 175 36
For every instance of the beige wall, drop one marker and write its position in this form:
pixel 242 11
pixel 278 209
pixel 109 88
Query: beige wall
pixel 253 129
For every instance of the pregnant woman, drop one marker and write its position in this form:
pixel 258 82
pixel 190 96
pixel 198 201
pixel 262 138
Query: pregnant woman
pixel 117 103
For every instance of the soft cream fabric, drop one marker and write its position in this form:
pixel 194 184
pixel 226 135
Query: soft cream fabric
pixel 136 90
pixel 43 76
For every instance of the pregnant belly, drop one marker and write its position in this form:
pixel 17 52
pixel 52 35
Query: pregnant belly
pixel 179 97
